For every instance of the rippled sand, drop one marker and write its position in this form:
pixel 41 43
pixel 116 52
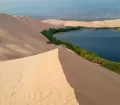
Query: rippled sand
pixel 35 80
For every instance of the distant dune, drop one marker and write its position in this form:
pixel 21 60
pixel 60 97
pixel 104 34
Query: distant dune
pixel 94 24
pixel 37 73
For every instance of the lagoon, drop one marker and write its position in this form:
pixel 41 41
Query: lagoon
pixel 103 42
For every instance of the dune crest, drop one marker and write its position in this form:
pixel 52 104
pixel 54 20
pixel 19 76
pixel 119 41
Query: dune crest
pixel 36 84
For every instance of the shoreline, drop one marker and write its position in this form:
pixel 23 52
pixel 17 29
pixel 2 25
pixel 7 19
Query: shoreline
pixel 111 65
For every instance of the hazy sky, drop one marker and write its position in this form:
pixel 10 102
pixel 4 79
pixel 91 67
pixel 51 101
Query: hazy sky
pixel 54 6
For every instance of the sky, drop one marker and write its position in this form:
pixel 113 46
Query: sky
pixel 53 7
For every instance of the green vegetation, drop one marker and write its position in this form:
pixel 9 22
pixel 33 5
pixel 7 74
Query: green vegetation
pixel 113 66
pixel 117 29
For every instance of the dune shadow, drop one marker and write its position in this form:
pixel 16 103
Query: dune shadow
pixel 71 70
pixel 92 84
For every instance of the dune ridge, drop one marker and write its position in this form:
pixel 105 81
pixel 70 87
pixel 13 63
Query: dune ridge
pixel 36 84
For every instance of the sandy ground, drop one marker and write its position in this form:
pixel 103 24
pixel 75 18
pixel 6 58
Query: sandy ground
pixel 37 84
pixel 95 24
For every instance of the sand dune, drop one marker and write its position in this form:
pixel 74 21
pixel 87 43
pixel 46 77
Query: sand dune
pixel 92 84
pixel 57 77
pixel 20 37
pixel 96 24
pixel 37 84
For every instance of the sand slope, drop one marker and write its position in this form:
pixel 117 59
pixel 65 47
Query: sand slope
pixel 28 81
pixel 96 24
pixel 92 84
pixel 57 77
pixel 20 37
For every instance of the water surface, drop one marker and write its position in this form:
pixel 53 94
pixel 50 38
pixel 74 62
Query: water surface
pixel 103 42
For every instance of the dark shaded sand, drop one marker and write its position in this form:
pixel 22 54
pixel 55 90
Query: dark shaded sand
pixel 20 37
pixel 92 84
